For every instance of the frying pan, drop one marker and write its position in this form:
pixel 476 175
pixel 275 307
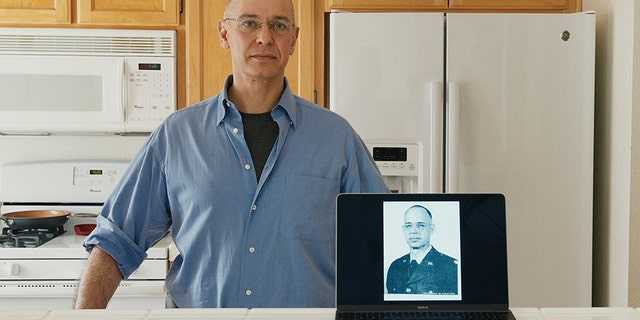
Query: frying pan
pixel 35 219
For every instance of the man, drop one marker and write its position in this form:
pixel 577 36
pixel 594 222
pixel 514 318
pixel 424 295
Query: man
pixel 246 181
pixel 423 270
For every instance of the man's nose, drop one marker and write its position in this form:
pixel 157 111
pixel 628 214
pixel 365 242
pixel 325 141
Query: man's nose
pixel 265 35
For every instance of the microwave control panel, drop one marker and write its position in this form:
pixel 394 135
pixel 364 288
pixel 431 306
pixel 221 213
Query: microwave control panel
pixel 151 91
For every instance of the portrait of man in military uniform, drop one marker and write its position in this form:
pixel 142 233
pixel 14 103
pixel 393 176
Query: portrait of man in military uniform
pixel 424 270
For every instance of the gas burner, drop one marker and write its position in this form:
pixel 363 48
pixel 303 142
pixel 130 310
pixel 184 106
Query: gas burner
pixel 28 238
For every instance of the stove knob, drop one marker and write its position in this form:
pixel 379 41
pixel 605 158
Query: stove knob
pixel 10 269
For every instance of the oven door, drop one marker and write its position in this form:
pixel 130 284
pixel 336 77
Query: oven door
pixel 60 295
pixel 43 94
pixel 46 277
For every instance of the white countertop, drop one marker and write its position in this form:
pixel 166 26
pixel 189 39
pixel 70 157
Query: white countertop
pixel 310 314
pixel 69 246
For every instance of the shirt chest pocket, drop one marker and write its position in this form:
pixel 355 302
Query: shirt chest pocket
pixel 308 210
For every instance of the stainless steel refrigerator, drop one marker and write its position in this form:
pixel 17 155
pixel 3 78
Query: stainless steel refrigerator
pixel 483 103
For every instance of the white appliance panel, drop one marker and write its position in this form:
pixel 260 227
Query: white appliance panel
pixel 519 112
pixel 47 275
pixel 151 91
pixel 79 181
pixel 525 129
pixel 405 87
pixel 59 92
pixel 85 81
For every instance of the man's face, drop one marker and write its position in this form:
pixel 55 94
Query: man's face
pixel 253 31
pixel 417 228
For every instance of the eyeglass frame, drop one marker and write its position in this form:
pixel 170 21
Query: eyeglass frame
pixel 270 24
pixel 418 226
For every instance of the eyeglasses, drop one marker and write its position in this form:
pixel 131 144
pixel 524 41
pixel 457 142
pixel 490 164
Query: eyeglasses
pixel 253 25
pixel 420 226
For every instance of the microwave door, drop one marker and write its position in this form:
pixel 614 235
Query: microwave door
pixel 49 94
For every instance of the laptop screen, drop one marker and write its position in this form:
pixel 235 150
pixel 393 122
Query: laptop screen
pixel 424 251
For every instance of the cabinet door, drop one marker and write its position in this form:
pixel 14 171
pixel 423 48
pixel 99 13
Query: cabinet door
pixel 456 5
pixel 386 5
pixel 35 12
pixel 127 12
pixel 517 5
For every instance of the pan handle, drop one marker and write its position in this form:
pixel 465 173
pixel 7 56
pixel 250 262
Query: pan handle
pixel 7 221
pixel 84 215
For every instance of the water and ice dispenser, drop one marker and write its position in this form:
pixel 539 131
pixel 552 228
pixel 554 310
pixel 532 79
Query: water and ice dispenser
pixel 399 165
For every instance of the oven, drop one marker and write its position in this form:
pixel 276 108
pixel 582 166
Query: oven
pixel 40 267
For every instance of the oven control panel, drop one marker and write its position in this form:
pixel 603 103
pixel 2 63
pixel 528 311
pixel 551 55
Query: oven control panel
pixel 95 176
pixel 60 181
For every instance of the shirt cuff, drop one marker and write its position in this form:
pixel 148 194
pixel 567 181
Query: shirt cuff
pixel 110 238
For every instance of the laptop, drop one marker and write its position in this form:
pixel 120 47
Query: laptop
pixel 421 256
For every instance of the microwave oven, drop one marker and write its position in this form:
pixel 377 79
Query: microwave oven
pixel 93 81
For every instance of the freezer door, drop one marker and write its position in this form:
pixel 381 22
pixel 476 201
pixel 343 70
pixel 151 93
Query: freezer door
pixel 386 75
pixel 521 122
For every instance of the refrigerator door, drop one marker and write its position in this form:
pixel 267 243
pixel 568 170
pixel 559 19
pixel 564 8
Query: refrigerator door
pixel 386 74
pixel 521 107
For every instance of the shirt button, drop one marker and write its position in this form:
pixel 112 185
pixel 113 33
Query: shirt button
pixel 247 166
pixel 252 250
pixel 248 292
pixel 254 207
pixel 235 130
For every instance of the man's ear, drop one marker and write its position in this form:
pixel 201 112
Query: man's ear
pixel 296 33
pixel 222 31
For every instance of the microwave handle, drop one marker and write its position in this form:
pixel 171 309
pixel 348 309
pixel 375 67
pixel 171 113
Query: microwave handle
pixel 122 114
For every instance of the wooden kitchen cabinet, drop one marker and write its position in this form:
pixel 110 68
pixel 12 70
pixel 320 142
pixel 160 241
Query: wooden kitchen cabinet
pixel 128 12
pixel 118 13
pixel 517 5
pixel 35 12
pixel 386 5
pixel 556 6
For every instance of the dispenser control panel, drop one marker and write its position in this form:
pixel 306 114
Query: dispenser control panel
pixel 396 160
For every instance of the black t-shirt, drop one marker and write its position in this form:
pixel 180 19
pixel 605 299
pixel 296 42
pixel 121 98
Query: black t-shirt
pixel 260 132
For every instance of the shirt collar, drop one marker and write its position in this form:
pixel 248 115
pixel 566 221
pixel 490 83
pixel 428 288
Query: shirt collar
pixel 418 257
pixel 286 106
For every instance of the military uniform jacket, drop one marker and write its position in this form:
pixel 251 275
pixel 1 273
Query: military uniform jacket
pixel 436 274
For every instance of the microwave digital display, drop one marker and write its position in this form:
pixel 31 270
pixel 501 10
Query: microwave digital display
pixel 149 66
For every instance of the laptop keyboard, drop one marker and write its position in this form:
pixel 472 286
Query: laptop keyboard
pixel 429 315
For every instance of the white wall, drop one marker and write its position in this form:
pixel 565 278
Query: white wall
pixel 617 165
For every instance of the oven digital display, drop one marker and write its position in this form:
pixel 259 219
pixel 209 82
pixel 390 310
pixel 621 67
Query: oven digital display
pixel 149 66
pixel 95 172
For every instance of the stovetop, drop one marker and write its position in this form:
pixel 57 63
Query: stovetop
pixel 69 246
pixel 28 238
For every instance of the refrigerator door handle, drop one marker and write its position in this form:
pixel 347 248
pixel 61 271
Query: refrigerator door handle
pixel 452 137
pixel 437 139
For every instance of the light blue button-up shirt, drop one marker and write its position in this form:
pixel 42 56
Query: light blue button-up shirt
pixel 242 242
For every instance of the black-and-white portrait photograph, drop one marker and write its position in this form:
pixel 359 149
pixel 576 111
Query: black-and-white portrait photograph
pixel 422 251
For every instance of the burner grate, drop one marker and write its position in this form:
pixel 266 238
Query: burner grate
pixel 28 238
